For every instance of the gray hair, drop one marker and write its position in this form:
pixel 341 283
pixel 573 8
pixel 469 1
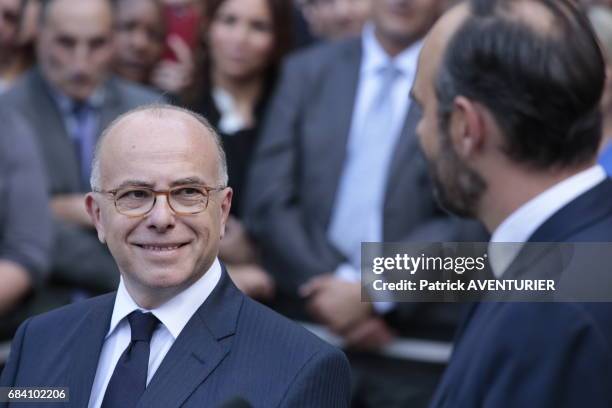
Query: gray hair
pixel 158 109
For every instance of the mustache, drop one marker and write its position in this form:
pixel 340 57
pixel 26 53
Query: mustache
pixel 80 78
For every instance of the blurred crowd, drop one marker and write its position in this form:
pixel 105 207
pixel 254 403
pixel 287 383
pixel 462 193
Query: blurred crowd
pixel 292 88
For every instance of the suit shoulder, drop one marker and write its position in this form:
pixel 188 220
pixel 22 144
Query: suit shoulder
pixel 16 96
pixel 597 317
pixel 326 50
pixel 567 321
pixel 69 315
pixel 319 57
pixel 282 334
pixel 135 94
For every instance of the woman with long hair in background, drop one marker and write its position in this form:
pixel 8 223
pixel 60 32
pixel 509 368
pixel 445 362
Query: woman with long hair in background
pixel 242 45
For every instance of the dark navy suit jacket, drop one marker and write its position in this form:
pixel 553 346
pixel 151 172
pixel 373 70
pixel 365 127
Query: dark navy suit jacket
pixel 232 346
pixel 539 354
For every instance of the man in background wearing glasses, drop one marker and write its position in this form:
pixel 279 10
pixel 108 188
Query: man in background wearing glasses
pixel 177 332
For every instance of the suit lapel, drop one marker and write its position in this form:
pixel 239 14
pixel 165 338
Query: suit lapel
pixel 405 146
pixel 112 105
pixel 198 350
pixel 465 320
pixel 343 82
pixel 44 106
pixel 585 210
pixel 53 137
pixel 193 356
pixel 88 342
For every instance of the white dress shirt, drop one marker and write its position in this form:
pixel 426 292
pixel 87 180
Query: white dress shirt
pixel 523 222
pixel 231 120
pixel 173 316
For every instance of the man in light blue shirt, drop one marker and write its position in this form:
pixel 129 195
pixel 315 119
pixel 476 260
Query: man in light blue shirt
pixel 337 165
pixel 601 19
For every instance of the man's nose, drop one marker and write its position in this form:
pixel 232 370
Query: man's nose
pixel 161 217
pixel 81 53
pixel 81 60
pixel 139 40
pixel 240 34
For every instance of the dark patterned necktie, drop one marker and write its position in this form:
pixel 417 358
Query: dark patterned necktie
pixel 129 379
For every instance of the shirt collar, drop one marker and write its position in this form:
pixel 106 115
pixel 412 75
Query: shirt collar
pixel 605 158
pixel 175 313
pixel 375 57
pixel 523 222
pixel 66 103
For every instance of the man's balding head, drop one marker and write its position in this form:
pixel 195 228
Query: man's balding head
pixel 507 87
pixel 75 45
pixel 136 125
pixel 536 66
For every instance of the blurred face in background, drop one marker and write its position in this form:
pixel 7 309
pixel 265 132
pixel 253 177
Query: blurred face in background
pixel 9 19
pixel 139 38
pixel 177 2
pixel 601 19
pixel 241 39
pixel 333 19
pixel 28 30
pixel 399 23
pixel 75 45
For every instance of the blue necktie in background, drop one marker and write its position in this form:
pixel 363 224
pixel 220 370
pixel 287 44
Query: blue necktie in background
pixel 362 186
pixel 84 136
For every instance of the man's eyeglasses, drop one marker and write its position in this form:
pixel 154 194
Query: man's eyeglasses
pixel 139 201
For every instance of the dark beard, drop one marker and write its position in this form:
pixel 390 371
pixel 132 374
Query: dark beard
pixel 456 187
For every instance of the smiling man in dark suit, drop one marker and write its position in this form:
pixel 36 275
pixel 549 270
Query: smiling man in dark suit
pixel 511 126
pixel 177 332
pixel 68 99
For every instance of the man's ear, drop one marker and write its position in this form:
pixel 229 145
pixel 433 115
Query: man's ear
pixel 93 209
pixel 467 127
pixel 226 205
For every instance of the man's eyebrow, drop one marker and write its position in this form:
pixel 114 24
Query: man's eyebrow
pixel 188 180
pixel 134 183
pixel 147 184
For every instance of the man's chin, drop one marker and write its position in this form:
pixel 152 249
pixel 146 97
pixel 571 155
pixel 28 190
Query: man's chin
pixel 457 208
pixel 81 92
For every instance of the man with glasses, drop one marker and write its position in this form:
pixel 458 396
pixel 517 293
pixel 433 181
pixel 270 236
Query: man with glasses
pixel 177 332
